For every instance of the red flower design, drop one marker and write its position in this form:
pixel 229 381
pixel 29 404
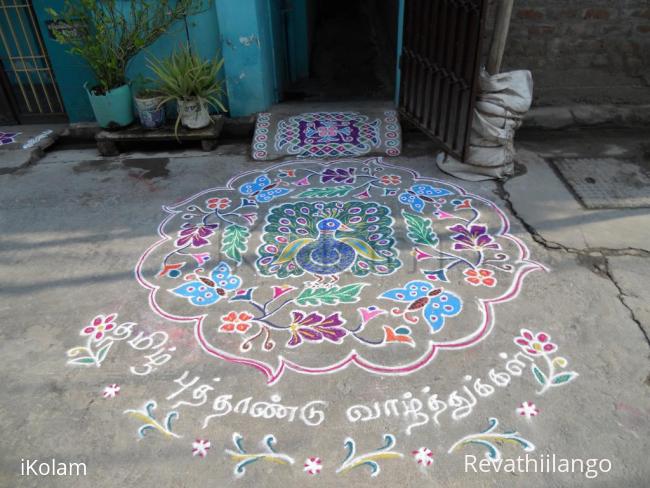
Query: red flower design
pixel 479 276
pixel 390 180
pixel 535 344
pixel 218 203
pixel 99 326
pixel 236 323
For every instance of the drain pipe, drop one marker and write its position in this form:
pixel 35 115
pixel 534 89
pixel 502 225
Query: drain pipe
pixel 499 36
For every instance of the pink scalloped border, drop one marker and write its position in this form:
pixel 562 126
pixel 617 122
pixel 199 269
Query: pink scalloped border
pixel 273 375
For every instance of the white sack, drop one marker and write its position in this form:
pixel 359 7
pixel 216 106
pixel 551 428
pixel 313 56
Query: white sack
pixel 502 102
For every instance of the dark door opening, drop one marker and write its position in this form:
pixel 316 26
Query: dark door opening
pixel 352 51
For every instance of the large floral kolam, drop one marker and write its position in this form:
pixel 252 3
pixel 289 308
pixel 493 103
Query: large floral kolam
pixel 313 266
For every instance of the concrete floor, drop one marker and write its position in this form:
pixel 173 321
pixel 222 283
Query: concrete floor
pixel 75 224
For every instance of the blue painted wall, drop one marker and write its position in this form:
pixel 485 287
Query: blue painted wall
pixel 247 42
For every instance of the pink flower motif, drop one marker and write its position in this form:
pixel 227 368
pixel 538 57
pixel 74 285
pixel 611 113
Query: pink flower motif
pixel 201 258
pixel 250 217
pixel 528 410
pixel 196 235
pixel 367 314
pixel 200 447
pixel 111 391
pixel 421 255
pixel 479 276
pixel 314 328
pixel 278 291
pixel 535 344
pixel 313 465
pixel 99 326
pixel 423 456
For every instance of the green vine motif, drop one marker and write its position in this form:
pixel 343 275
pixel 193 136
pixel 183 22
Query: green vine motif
pixel 90 357
pixel 490 439
pixel 101 333
pixel 331 192
pixel 245 459
pixel 369 459
pixel 419 229
pixel 235 242
pixel 330 296
pixel 551 378
pixel 146 415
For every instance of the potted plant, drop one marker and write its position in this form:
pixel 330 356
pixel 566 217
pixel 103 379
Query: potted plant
pixel 149 104
pixel 107 34
pixel 193 83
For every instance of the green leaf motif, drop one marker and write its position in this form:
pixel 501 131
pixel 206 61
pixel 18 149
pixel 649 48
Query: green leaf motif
pixel 334 191
pixel 101 354
pixel 419 229
pixel 235 242
pixel 539 375
pixel 85 360
pixel 563 378
pixel 330 296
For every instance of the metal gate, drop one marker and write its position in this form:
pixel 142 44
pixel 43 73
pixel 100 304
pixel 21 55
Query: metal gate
pixel 439 65
pixel 27 82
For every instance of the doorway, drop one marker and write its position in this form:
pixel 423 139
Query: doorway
pixel 351 47
pixel 28 90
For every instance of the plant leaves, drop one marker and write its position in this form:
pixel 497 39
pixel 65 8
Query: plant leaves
pixel 330 296
pixel 539 375
pixel 235 242
pixel 86 360
pixel 562 378
pixel 419 229
pixel 333 191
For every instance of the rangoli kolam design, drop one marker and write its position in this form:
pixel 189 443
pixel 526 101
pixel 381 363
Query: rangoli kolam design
pixel 315 266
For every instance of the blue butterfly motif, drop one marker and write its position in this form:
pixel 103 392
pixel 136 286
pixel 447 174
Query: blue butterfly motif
pixel 263 189
pixel 205 291
pixel 418 195
pixel 435 303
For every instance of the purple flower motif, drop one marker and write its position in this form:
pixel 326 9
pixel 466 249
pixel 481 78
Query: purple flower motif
pixel 196 234
pixel 7 137
pixel 314 327
pixel 475 238
pixel 338 175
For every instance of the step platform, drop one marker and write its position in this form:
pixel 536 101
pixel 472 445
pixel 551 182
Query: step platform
pixel 108 141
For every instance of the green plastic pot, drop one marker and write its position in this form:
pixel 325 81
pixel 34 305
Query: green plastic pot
pixel 114 109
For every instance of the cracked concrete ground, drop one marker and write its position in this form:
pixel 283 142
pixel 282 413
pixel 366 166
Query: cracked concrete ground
pixel 75 224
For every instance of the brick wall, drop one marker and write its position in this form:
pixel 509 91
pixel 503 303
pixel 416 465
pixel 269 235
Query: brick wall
pixel 582 51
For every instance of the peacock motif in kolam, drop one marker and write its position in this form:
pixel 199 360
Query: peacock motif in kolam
pixel 326 239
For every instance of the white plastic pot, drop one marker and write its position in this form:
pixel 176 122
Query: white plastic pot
pixel 194 114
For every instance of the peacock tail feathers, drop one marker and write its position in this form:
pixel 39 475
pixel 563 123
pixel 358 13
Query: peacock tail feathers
pixel 291 226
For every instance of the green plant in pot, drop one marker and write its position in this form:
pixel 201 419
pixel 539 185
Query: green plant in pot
pixel 193 83
pixel 107 34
